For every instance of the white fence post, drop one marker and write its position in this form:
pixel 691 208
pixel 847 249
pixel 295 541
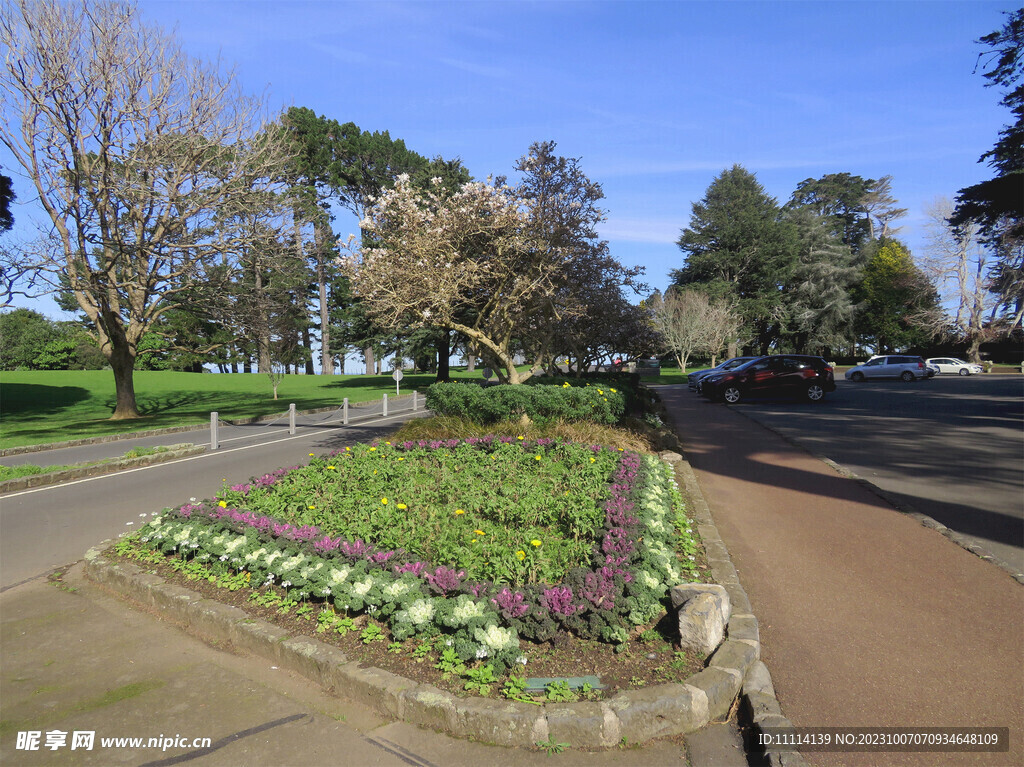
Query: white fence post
pixel 214 442
pixel 414 403
pixel 385 405
pixel 344 411
pixel 291 418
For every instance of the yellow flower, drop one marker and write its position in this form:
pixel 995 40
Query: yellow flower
pixel 310 455
pixel 473 541
pixel 592 459
pixel 347 449
pixel 535 542
pixel 612 391
pixel 520 437
pixel 537 457
pixel 332 467
pixel 480 532
pixel 402 506
pixel 600 392
pixel 459 511
pixel 384 501
pixel 566 385
pixel 223 504
pixel 312 507
pixel 521 554
pixel 387 443
pixel 371 450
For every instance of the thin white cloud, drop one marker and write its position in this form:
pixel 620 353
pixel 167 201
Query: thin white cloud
pixel 661 231
pixel 498 73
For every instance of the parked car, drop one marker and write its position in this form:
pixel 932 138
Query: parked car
pixel 776 375
pixel 901 366
pixel 953 366
pixel 693 379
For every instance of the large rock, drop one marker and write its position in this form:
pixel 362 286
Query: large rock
pixel 704 610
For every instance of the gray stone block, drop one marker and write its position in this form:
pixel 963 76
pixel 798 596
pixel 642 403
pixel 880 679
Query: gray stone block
pixel 259 638
pixel 704 610
pixel 758 680
pixel 428 706
pixel 213 620
pixel 744 626
pixel 736 655
pixel 583 725
pixel 174 602
pixel 654 712
pixel 503 723
pixel 759 705
pixel 721 688
pixel 311 658
pixel 380 690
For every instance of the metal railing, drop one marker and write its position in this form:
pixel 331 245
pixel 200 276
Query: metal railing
pixel 345 414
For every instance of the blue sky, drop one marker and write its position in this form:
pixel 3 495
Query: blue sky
pixel 656 98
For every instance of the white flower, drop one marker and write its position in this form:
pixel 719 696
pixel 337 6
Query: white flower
pixel 362 588
pixel 285 584
pixel 481 653
pixel 292 562
pixel 339 576
pixel 466 609
pixel 496 637
pixel 396 589
pixel 521 660
pixel 421 611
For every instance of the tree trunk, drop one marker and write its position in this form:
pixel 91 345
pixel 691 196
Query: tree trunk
pixel 326 360
pixel 122 362
pixel 370 363
pixel 444 352
pixel 308 343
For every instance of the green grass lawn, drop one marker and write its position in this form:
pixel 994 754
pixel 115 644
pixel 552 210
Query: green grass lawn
pixel 52 406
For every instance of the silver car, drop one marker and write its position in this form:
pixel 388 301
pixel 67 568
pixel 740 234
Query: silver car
pixel 902 366
pixel 953 366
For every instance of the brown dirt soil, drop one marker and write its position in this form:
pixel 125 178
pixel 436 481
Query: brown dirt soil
pixel 650 660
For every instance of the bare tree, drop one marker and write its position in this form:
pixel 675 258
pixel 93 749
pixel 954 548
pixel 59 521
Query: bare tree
pixel 141 156
pixel 691 323
pixel 957 264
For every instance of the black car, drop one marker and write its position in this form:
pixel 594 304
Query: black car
pixel 693 379
pixel 776 375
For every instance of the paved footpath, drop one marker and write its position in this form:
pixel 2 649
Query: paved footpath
pixel 867 618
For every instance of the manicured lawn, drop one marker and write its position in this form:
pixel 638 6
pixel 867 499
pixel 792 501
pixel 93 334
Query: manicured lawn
pixel 52 406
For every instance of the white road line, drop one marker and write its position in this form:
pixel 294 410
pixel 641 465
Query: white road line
pixel 210 454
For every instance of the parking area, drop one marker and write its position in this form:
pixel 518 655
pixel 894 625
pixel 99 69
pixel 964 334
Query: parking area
pixel 950 447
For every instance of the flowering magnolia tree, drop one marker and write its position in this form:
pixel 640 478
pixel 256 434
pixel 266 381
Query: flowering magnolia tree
pixel 514 270
pixel 466 261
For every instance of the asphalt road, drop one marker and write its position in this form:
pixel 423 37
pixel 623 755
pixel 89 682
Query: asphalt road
pixel 47 527
pixel 951 447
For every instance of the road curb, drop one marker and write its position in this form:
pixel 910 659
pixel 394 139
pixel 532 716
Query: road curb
pixel 98 469
pixel 634 716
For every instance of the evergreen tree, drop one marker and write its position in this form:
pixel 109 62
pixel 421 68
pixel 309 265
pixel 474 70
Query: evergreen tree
pixel 739 246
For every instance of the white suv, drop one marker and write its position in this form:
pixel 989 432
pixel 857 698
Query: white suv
pixel 901 366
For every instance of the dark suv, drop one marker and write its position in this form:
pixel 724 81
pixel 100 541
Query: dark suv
pixel 777 375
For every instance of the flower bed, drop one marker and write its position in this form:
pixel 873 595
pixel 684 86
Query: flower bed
pixel 502 539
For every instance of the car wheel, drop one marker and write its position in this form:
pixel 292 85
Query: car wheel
pixel 907 376
pixel 815 393
pixel 858 376
pixel 965 372
pixel 732 395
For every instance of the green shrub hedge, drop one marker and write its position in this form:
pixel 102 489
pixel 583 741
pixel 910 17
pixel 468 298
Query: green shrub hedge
pixel 540 403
